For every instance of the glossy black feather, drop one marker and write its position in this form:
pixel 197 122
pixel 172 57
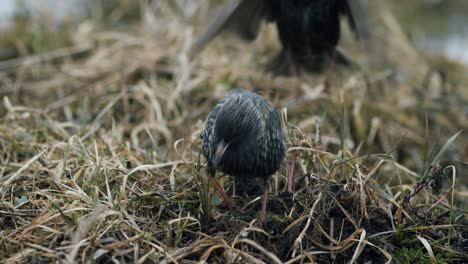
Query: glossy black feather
pixel 251 128
pixel 308 29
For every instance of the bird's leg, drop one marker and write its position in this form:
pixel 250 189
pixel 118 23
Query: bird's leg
pixel 293 71
pixel 221 192
pixel 291 174
pixel 266 182
pixel 292 64
pixel 330 71
pixel 234 193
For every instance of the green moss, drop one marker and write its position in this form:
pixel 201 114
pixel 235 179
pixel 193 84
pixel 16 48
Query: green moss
pixel 417 255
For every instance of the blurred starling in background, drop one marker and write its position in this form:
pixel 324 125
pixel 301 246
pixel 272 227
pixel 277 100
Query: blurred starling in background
pixel 243 138
pixel 309 30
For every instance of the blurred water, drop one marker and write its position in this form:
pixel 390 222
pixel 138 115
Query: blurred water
pixel 57 10
pixel 452 41
pixel 438 27
pixel 453 46
pixel 7 9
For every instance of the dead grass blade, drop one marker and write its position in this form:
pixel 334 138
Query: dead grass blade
pixel 17 174
pixel 267 253
pixel 428 248
pixel 360 247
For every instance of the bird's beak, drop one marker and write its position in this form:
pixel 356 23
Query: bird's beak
pixel 220 150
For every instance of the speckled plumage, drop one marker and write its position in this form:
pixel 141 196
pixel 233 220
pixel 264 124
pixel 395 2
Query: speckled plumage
pixel 250 127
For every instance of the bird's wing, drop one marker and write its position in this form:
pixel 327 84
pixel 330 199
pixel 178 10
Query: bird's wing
pixel 357 18
pixel 208 131
pixel 243 17
pixel 275 138
pixel 363 20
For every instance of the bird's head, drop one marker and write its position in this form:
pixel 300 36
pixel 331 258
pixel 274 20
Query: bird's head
pixel 216 156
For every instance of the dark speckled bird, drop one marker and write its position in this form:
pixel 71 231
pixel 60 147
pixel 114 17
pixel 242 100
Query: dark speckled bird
pixel 243 138
pixel 309 30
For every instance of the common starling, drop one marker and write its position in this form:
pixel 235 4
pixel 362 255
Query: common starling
pixel 243 138
pixel 309 30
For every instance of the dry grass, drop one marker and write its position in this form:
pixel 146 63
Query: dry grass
pixel 100 154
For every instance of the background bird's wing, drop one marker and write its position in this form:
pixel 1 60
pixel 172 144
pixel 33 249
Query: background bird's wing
pixel 243 17
pixel 357 17
pixel 362 21
pixel 369 19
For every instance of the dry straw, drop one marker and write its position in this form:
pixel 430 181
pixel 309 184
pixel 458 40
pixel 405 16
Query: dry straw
pixel 99 152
